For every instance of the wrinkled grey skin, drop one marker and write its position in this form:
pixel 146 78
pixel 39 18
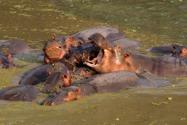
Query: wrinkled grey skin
pixel 19 93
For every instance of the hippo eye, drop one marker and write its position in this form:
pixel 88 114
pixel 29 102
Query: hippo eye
pixel 64 46
pixel 60 47
pixel 65 76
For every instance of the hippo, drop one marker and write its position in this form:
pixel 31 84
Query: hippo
pixel 174 50
pixel 36 75
pixel 14 46
pixel 172 53
pixel 60 77
pixel 41 73
pixel 112 59
pixel 18 49
pixel 19 93
pixel 102 83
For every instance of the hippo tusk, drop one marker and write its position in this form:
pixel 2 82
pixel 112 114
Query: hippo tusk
pixel 90 64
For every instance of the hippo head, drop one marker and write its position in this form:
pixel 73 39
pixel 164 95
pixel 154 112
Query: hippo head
pixel 183 52
pixel 59 77
pixel 72 42
pixel 100 41
pixel 54 50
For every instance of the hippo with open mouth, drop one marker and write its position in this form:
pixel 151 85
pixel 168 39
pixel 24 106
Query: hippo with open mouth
pixel 112 59
pixel 60 46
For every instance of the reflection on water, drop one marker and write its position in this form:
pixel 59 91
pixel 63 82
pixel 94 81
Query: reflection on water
pixel 149 21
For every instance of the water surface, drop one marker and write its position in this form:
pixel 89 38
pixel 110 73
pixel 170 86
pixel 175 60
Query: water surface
pixel 149 21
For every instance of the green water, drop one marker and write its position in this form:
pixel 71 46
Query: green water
pixel 152 22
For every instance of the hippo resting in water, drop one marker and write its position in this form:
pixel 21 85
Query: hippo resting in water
pixel 174 53
pixel 109 82
pixel 112 59
pixel 19 93
pixel 10 49
pixel 46 73
pixel 174 49
pixel 14 47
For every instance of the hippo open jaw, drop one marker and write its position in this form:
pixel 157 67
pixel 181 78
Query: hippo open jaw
pixel 95 61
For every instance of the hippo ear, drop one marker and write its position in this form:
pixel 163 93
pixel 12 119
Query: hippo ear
pixel 173 47
pixel 53 36
pixel 126 55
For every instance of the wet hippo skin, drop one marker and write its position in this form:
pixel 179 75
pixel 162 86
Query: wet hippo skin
pixel 41 73
pixel 109 82
pixel 136 63
pixel 14 46
pixel 19 93
pixel 36 75
pixel 113 35
pixel 174 50
pixel 112 59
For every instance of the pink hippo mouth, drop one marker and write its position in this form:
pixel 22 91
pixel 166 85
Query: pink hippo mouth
pixel 95 61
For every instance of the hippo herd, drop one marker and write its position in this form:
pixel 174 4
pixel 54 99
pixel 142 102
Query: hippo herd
pixel 95 60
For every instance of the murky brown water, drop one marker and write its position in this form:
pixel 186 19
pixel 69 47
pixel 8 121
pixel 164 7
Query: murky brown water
pixel 149 21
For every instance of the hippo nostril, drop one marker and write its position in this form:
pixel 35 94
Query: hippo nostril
pixel 65 76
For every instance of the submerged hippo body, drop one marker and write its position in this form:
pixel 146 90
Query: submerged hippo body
pixel 14 46
pixel 19 93
pixel 158 66
pixel 113 35
pixel 109 82
pixel 173 50
pixel 173 53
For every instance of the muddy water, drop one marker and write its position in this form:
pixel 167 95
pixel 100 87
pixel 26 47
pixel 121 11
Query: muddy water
pixel 151 22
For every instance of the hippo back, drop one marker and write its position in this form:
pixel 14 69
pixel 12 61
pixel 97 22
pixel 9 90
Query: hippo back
pixel 14 46
pixel 19 93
